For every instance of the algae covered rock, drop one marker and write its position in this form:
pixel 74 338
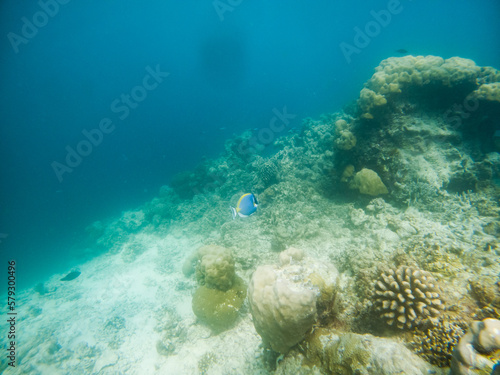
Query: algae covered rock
pixel 219 309
pixel 335 352
pixel 368 182
pixel 286 300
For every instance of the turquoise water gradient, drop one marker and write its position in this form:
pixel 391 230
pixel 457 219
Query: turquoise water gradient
pixel 227 72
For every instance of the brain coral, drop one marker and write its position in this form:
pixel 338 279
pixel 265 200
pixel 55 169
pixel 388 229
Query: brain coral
pixel 406 296
pixel 368 182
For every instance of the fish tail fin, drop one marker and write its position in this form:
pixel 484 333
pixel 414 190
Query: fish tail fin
pixel 233 212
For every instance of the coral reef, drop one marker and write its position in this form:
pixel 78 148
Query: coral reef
pixel 406 296
pixel 471 354
pixel 419 121
pixel 437 342
pixel 285 301
pixel 406 179
pixel 394 75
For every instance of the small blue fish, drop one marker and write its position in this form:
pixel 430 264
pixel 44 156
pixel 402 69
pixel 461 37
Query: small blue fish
pixel 246 206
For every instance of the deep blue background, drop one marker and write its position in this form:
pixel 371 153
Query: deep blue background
pixel 225 76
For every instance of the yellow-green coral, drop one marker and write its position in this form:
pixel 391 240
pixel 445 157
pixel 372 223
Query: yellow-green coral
pixel 219 309
pixel 345 139
pixel 488 91
pixel 394 74
pixel 368 182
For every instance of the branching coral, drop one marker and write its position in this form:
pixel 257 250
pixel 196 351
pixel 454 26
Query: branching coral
pixel 406 296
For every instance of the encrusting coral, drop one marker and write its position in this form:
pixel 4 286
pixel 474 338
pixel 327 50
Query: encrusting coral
pixel 406 296
pixel 436 343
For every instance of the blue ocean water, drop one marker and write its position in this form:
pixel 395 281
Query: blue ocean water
pixel 166 83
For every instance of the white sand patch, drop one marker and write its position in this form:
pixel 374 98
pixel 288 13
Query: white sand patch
pixel 110 319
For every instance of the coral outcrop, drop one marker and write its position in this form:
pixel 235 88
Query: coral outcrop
pixel 488 91
pixel 345 139
pixel 394 75
pixel 405 296
pixel 286 300
pixel 221 293
pixel 418 121
pixel 471 355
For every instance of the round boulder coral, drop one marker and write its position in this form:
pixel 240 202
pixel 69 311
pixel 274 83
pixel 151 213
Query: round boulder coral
pixel 219 309
pixel 368 182
pixel 406 296
pixel 215 267
pixel 286 301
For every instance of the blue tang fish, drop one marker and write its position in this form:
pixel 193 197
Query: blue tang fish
pixel 246 206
